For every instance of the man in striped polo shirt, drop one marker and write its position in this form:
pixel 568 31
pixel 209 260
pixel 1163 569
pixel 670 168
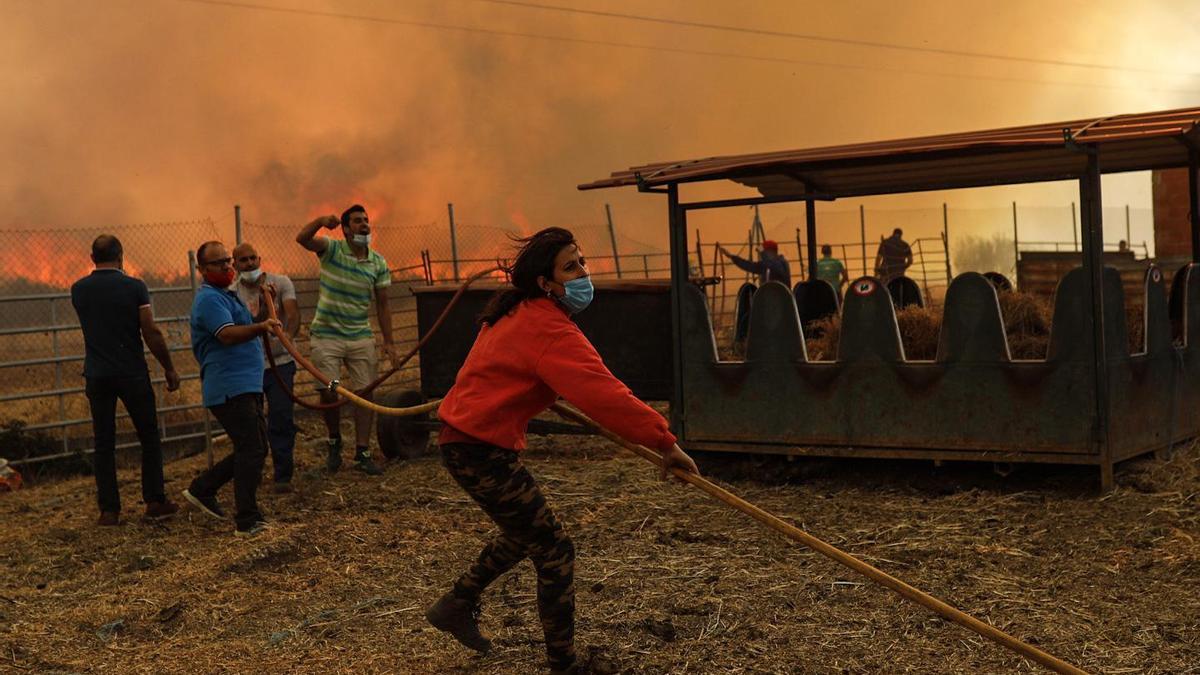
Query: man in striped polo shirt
pixel 351 273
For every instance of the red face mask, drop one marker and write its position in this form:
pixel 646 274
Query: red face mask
pixel 221 279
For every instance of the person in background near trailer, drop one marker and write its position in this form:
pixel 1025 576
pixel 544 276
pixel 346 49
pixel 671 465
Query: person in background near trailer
pixel 527 354
pixel 281 420
pixel 115 315
pixel 351 273
pixel 1122 246
pixel 226 343
pixel 831 270
pixel 894 257
pixel 771 266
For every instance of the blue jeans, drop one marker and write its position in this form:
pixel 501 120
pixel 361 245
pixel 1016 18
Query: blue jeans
pixel 281 420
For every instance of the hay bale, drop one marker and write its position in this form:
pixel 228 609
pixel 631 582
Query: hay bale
pixel 1027 318
pixel 821 338
pixel 919 330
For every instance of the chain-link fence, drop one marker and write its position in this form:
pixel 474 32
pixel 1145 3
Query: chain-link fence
pixel 41 347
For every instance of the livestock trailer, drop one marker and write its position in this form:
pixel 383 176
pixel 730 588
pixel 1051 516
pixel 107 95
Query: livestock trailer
pixel 1091 401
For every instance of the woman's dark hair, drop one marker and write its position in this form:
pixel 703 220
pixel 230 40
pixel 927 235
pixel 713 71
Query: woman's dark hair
pixel 535 258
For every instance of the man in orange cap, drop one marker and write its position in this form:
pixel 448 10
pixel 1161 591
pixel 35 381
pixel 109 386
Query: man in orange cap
pixel 771 266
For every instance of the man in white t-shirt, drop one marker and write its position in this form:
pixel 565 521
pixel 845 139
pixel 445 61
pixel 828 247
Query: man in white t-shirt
pixel 281 424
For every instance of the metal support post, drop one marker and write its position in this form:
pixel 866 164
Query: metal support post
pixel 677 218
pixel 1074 228
pixel 237 224
pixel 453 241
pixel 862 233
pixel 946 241
pixel 800 253
pixel 1093 263
pixel 1016 249
pixel 810 231
pixel 58 374
pixel 1128 239
pixel 1194 201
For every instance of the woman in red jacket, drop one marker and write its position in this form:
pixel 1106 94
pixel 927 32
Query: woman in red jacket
pixel 528 353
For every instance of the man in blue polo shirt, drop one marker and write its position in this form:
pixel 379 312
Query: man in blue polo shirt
pixel 225 341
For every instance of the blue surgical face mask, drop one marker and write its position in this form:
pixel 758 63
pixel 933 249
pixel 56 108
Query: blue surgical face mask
pixel 578 296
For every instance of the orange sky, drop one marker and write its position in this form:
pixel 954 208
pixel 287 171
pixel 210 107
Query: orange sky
pixel 128 111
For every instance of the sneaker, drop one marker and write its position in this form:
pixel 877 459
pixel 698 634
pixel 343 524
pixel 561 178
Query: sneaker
pixel 109 519
pixel 364 464
pixel 334 461
pixel 160 510
pixel 206 504
pixel 252 530
pixel 459 618
pixel 282 488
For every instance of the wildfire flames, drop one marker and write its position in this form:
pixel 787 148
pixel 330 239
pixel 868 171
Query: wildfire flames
pixel 49 260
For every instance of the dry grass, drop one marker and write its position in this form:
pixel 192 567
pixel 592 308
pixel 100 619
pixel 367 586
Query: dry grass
pixel 668 580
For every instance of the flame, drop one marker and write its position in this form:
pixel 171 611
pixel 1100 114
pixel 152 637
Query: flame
pixel 44 259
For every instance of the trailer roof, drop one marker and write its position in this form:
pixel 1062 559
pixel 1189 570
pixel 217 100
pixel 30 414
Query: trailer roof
pixel 1041 152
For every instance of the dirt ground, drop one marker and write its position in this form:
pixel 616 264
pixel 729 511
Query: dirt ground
pixel 668 580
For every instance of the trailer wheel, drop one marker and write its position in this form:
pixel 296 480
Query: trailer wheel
pixel 402 437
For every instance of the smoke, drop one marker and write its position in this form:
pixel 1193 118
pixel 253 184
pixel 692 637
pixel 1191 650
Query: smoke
pixel 127 111
pixel 983 254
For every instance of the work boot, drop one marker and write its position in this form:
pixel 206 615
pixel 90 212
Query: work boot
pixel 362 462
pixel 109 519
pixel 459 618
pixel 334 461
pixel 160 510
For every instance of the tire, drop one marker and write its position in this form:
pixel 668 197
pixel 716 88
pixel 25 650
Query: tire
pixel 399 437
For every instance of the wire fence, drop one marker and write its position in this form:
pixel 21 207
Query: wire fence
pixel 41 346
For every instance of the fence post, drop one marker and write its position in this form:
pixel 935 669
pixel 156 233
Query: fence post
pixel 612 236
pixel 207 422
pixel 1128 239
pixel 646 264
pixel 862 233
pixel 453 241
pixel 1016 248
pixel 58 378
pixel 159 393
pixel 237 224
pixel 946 241
pixel 1074 229
pixel 699 256
pixel 800 253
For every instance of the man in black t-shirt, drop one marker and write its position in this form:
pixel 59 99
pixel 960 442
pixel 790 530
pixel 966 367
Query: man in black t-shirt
pixel 114 312
pixel 893 257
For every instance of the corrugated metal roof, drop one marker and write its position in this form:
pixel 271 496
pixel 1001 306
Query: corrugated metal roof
pixel 995 157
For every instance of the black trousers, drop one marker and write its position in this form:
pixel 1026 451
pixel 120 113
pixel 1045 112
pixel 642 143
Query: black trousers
pixel 138 396
pixel 242 418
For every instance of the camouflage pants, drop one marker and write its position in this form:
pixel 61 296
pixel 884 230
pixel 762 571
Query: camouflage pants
pixel 507 493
